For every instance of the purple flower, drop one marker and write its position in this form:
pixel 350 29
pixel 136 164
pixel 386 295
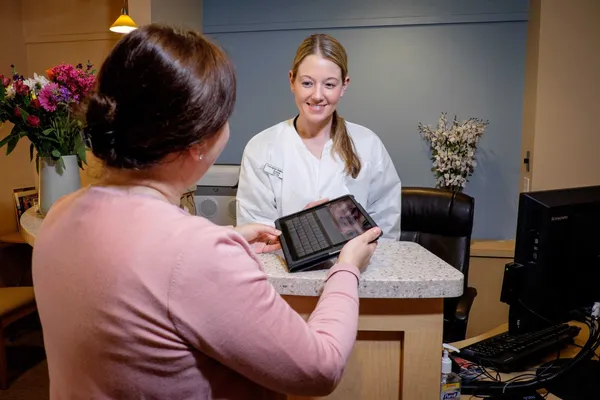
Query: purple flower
pixel 63 94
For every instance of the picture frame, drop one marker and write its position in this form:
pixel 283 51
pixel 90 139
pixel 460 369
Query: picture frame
pixel 24 198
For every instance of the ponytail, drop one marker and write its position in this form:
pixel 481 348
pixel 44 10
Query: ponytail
pixel 344 146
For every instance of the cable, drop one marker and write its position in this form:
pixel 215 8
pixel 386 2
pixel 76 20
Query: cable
pixel 587 351
pixel 581 347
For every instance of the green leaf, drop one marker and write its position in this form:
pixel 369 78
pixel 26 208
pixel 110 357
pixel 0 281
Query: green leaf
pixel 12 143
pixel 60 166
pixel 5 140
pixel 13 136
pixel 24 114
pixel 55 153
pixel 2 92
pixel 48 131
pixel 49 139
pixel 80 149
pixel 31 147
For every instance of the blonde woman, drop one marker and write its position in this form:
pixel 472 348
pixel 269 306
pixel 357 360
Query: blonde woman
pixel 318 155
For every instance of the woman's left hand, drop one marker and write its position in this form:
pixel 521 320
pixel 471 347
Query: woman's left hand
pixel 264 238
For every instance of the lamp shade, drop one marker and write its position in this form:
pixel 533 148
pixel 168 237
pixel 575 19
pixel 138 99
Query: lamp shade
pixel 123 24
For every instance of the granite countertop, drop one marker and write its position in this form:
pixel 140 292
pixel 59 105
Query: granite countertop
pixel 397 270
pixel 30 222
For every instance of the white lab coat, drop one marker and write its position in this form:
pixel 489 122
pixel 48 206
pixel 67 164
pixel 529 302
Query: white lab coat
pixel 280 176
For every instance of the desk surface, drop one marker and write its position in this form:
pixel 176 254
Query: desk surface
pixel 397 270
pixel 566 352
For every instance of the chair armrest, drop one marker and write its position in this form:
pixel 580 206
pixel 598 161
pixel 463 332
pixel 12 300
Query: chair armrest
pixel 465 302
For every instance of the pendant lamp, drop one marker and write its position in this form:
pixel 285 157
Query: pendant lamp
pixel 123 24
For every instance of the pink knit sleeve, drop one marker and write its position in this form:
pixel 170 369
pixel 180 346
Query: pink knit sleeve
pixel 222 304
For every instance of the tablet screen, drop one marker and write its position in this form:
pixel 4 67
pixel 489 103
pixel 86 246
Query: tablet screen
pixel 348 219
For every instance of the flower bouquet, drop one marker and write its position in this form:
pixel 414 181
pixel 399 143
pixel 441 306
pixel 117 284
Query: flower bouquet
pixel 44 109
pixel 453 150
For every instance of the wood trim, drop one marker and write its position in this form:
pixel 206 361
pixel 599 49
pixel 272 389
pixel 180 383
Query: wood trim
pixel 73 37
pixel 493 248
pixel 14 237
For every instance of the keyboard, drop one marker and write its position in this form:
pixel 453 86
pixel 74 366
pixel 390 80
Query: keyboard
pixel 307 235
pixel 507 352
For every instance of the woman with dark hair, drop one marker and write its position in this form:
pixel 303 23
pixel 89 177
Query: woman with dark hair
pixel 139 299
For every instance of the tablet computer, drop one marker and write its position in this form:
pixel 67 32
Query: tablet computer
pixel 317 234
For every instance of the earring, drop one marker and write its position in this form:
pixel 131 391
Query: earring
pixel 200 157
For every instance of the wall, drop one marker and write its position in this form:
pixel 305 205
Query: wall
pixel 529 95
pixel 409 61
pixel 563 80
pixel 15 169
pixel 71 31
pixel 140 11
pixel 185 13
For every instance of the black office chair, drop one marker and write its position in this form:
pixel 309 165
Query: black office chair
pixel 442 222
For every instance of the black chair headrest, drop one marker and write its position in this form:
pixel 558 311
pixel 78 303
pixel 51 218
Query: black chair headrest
pixel 437 211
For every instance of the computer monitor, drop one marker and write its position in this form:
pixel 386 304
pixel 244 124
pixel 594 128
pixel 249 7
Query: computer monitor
pixel 556 265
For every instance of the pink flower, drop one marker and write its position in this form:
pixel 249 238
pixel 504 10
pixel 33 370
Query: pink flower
pixel 5 80
pixel 35 103
pixel 21 88
pixel 48 97
pixel 33 121
pixel 17 112
pixel 78 81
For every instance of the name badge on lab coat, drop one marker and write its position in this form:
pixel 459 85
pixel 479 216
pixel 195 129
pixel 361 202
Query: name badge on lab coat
pixel 271 170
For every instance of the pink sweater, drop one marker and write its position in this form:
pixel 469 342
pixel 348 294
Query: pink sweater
pixel 140 300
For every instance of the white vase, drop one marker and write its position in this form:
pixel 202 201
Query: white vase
pixel 56 182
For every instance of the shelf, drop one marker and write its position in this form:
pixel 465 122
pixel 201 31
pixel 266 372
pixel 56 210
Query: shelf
pixel 493 248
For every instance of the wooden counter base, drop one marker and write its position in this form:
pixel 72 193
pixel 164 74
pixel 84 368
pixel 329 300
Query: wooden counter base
pixel 398 350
